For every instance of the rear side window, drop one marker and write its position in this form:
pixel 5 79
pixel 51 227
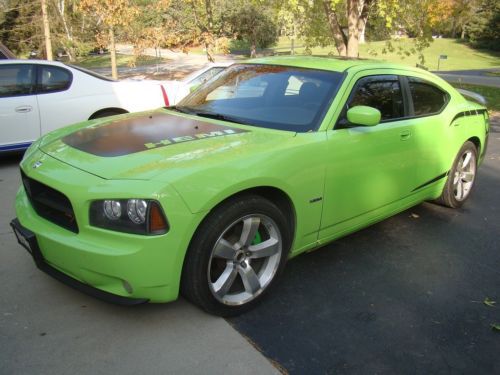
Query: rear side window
pixel 427 98
pixel 382 92
pixel 16 80
pixel 53 79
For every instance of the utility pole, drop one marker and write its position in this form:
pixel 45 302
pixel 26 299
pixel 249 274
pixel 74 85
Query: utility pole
pixel 46 31
pixel 112 46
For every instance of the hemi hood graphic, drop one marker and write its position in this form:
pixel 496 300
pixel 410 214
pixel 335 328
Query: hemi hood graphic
pixel 135 134
pixel 160 145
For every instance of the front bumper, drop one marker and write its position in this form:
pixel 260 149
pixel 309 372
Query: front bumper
pixel 128 266
pixel 27 239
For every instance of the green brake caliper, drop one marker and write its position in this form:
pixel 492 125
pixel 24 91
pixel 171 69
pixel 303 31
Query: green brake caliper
pixel 257 239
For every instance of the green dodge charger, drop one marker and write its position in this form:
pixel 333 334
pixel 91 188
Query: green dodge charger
pixel 271 158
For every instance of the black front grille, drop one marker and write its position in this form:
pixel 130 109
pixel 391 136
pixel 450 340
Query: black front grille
pixel 50 203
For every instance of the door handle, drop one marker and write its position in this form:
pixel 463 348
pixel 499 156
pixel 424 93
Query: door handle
pixel 404 135
pixel 24 109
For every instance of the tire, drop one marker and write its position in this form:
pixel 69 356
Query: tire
pixel 461 177
pixel 228 269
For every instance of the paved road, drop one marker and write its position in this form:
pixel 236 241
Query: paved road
pixel 473 77
pixel 178 65
pixel 404 296
pixel 49 328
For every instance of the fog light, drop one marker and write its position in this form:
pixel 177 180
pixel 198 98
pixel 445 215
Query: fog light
pixel 112 209
pixel 136 210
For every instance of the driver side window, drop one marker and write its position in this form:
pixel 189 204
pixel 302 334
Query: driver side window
pixel 382 92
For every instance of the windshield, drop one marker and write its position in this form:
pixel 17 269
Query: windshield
pixel 268 96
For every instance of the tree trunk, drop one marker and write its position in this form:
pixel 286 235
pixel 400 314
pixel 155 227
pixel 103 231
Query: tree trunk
pixel 362 39
pixel 462 35
pixel 60 9
pixel 353 13
pixel 209 52
pixel 363 18
pixel 209 39
pixel 69 35
pixel 46 31
pixel 335 28
pixel 112 49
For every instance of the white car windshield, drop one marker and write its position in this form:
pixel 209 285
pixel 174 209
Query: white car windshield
pixel 269 96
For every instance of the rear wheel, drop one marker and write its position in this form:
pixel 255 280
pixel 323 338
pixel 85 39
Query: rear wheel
pixel 236 255
pixel 461 177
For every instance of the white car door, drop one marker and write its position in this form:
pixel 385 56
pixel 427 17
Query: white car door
pixel 59 104
pixel 19 116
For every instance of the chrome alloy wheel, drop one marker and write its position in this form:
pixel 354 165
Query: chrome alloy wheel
pixel 245 259
pixel 465 174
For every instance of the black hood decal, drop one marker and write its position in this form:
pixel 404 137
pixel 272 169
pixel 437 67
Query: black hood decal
pixel 135 134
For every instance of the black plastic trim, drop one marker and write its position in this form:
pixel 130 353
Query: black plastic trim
pixel 431 181
pixel 40 262
pixel 342 122
pixel 473 112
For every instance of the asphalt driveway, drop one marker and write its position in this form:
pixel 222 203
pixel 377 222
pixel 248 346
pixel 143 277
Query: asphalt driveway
pixel 404 296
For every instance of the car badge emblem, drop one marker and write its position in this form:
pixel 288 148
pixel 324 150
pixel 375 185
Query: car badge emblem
pixel 37 164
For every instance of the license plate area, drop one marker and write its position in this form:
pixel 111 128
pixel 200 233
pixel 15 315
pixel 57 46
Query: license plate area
pixel 26 239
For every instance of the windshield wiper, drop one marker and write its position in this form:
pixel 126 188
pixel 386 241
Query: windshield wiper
pixel 219 116
pixel 216 116
pixel 181 109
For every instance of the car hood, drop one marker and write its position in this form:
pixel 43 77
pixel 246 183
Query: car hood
pixel 142 146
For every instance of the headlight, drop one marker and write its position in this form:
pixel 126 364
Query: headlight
pixel 138 216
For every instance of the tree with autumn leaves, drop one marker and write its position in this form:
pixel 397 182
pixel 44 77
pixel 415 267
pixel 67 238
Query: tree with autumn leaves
pixel 76 25
pixel 110 14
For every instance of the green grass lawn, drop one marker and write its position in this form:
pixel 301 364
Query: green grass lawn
pixel 460 55
pixel 104 61
pixel 491 94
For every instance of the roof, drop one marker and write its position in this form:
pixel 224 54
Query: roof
pixel 25 61
pixel 337 64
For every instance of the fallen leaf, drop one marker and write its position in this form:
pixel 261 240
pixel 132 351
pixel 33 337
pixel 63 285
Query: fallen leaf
pixel 489 302
pixel 495 326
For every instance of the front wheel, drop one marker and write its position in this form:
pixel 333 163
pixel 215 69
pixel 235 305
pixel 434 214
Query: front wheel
pixel 236 255
pixel 461 177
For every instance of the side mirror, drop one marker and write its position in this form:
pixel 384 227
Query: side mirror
pixel 363 115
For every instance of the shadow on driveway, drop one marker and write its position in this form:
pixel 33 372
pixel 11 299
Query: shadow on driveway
pixel 403 296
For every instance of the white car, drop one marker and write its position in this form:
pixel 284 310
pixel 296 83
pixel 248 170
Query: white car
pixel 177 90
pixel 38 96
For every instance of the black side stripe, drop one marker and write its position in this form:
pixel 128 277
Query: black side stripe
pixel 474 112
pixel 431 181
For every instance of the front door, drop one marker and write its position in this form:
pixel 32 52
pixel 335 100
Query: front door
pixel 19 117
pixel 370 167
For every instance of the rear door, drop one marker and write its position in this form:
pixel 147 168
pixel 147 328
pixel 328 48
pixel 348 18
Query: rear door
pixel 369 167
pixel 19 117
pixel 431 130
pixel 58 105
